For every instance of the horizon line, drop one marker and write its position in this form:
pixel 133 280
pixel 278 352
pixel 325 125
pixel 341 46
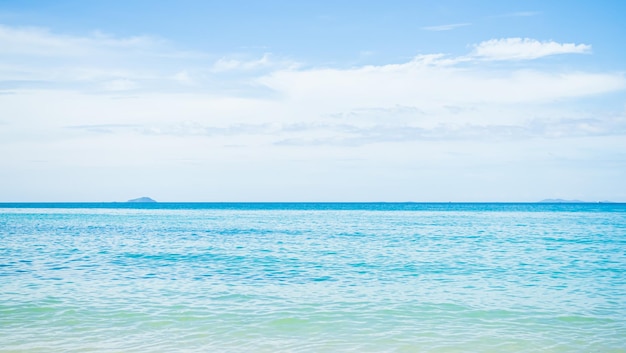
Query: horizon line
pixel 546 201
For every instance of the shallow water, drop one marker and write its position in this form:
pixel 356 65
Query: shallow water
pixel 312 277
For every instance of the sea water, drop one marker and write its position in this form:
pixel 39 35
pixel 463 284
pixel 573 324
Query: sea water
pixel 378 277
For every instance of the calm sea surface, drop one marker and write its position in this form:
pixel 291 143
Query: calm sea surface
pixel 312 277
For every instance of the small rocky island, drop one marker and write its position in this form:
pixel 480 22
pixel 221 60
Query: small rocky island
pixel 142 199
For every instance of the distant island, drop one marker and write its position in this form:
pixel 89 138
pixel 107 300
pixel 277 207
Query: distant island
pixel 142 199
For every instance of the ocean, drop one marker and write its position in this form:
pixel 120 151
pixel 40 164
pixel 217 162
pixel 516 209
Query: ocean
pixel 312 277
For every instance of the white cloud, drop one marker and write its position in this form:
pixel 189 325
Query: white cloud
pixel 41 41
pixel 525 49
pixel 225 64
pixel 199 141
pixel 446 27
pixel 433 94
pixel 183 77
pixel 397 124
pixel 434 81
pixel 37 56
pixel 265 62
pixel 120 85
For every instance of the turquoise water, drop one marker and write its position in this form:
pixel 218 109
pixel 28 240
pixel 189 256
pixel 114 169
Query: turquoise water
pixel 312 277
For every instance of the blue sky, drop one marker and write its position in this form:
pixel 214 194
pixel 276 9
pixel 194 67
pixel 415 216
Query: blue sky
pixel 312 101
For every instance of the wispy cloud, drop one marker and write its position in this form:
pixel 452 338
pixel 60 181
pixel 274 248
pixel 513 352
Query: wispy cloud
pixel 350 129
pixel 393 113
pixel 200 129
pixel 225 64
pixel 265 62
pixel 395 122
pixel 120 85
pixel 182 129
pixel 429 97
pixel 41 41
pixel 446 27
pixel 102 128
pixel 525 49
pixel 96 61
pixel 354 135
pixel 34 57
pixel 430 79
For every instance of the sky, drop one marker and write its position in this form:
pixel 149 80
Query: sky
pixel 235 101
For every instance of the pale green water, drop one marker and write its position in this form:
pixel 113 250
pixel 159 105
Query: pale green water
pixel 313 278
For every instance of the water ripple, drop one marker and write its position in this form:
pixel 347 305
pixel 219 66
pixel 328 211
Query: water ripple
pixel 352 279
